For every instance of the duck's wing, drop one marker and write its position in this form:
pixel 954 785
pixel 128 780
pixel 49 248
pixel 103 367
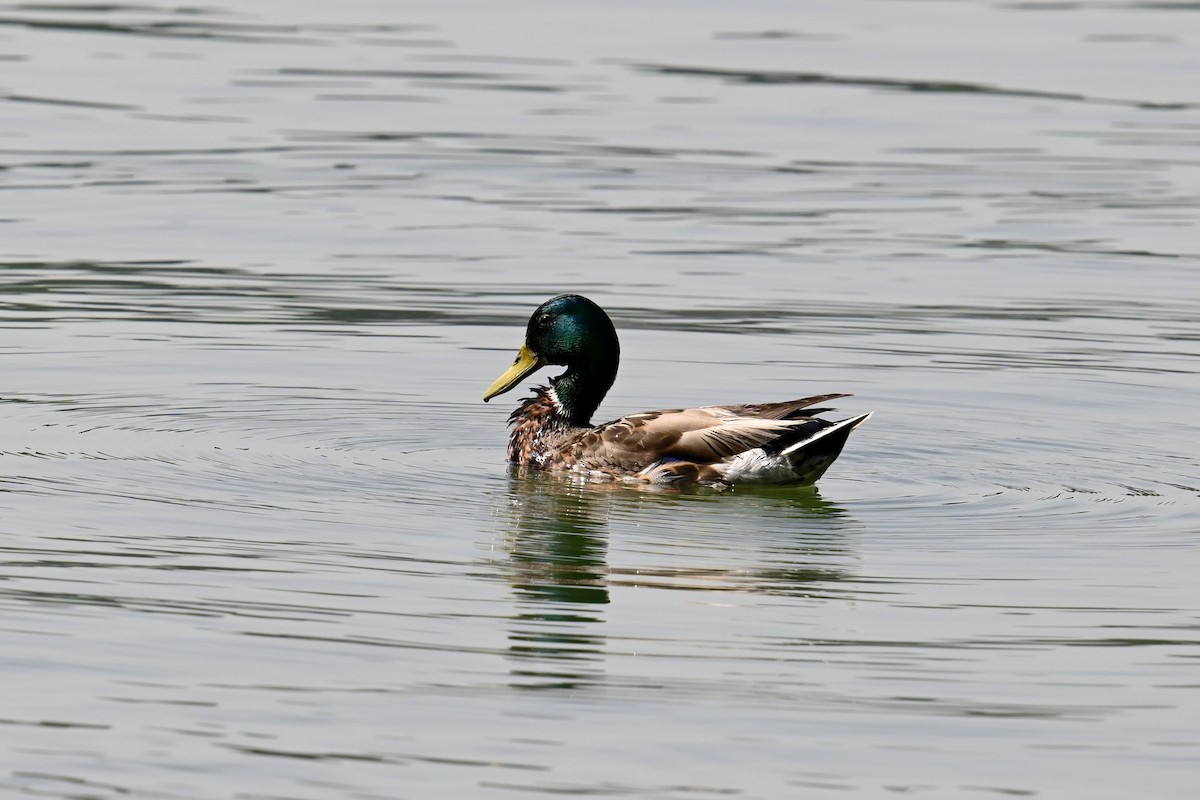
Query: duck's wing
pixel 788 409
pixel 701 435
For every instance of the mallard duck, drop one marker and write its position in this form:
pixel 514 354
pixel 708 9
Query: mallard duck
pixel 762 443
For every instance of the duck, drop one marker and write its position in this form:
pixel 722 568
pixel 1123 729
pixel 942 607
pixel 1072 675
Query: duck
pixel 774 443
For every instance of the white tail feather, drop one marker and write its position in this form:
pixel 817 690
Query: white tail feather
pixel 851 423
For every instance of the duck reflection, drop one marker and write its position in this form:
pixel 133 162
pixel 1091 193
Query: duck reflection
pixel 558 551
pixel 770 541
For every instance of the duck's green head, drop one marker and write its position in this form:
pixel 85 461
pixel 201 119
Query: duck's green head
pixel 573 331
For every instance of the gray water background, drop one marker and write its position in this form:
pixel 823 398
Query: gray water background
pixel 259 260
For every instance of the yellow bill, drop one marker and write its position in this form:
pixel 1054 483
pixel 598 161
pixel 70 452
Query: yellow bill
pixel 527 361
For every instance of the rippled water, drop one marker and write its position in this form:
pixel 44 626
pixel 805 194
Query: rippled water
pixel 259 262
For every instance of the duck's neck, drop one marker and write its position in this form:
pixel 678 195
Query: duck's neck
pixel 579 390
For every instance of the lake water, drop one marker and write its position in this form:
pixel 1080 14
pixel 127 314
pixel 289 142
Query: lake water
pixel 259 260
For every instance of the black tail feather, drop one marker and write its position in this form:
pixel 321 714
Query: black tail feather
pixel 810 458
